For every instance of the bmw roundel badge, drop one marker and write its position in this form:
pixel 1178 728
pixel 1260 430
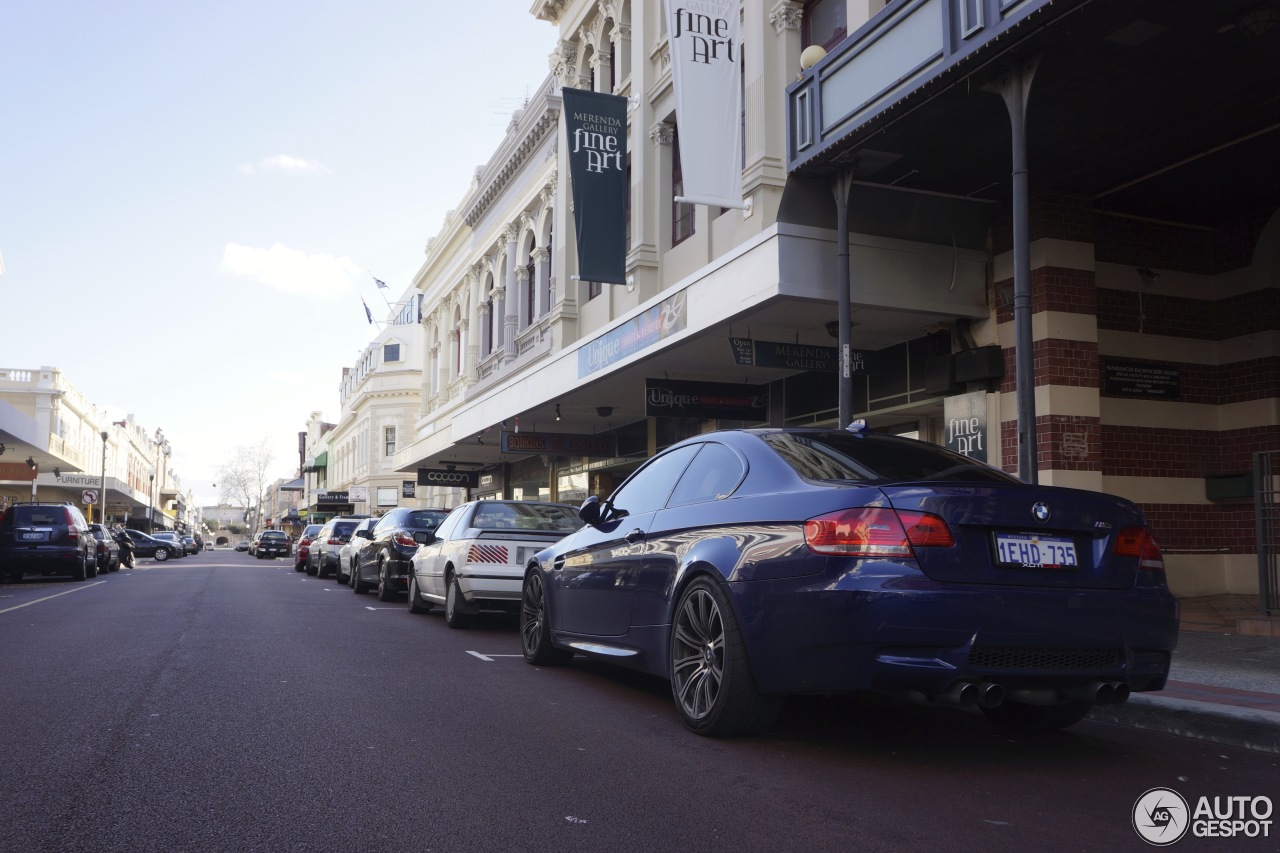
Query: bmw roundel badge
pixel 1041 511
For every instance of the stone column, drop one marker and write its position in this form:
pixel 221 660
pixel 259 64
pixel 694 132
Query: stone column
pixel 508 311
pixel 541 282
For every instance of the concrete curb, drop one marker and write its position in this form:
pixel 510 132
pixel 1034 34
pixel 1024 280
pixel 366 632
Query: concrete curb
pixel 1225 724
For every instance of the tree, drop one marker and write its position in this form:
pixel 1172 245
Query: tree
pixel 244 480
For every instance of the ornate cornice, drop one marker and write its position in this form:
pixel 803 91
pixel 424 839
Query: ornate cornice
pixel 527 133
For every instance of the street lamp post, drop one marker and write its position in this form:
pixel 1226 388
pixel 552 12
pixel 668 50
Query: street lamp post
pixel 102 493
pixel 151 510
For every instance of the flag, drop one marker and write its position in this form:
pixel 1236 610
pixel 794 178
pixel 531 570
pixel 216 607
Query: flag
pixel 705 73
pixel 381 284
pixel 367 312
pixel 596 129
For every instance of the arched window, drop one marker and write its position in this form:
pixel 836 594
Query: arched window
pixel 531 284
pixel 825 23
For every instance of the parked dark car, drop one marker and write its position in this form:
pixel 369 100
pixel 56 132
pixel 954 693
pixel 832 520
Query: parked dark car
pixel 107 549
pixel 242 545
pixel 46 539
pixel 323 556
pixel 746 565
pixel 393 541
pixel 148 546
pixel 303 550
pixel 190 545
pixel 270 544
pixel 179 549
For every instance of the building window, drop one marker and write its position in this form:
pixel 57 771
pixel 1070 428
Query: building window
pixel 681 214
pixel 825 23
pixel 391 352
pixel 531 285
pixel 594 289
pixel 389 437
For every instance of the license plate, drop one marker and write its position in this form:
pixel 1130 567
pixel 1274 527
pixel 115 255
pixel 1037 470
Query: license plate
pixel 35 536
pixel 1045 552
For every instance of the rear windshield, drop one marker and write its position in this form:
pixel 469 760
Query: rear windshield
pixel 32 516
pixel 344 528
pixel 273 534
pixel 424 519
pixel 526 516
pixel 877 458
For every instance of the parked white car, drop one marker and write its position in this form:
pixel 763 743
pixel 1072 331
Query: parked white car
pixel 347 553
pixel 477 559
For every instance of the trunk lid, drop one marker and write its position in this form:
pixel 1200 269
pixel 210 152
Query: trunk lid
pixel 1024 535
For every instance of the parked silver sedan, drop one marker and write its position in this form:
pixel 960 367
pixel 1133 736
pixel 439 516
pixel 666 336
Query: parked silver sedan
pixel 477 558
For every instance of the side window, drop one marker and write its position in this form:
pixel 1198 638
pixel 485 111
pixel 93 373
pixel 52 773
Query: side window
pixel 649 488
pixel 445 530
pixel 714 474
pixel 388 520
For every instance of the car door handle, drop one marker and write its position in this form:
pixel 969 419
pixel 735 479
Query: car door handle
pixel 635 536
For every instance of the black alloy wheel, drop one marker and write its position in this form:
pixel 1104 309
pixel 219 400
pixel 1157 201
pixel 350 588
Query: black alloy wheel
pixel 535 630
pixel 385 592
pixel 359 584
pixel 710 676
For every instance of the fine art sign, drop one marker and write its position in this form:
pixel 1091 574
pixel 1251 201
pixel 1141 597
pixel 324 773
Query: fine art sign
pixel 966 424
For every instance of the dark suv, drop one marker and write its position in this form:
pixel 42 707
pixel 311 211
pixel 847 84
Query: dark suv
pixel 271 543
pixel 46 539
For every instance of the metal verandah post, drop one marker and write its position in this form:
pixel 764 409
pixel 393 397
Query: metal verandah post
pixel 1015 89
pixel 840 188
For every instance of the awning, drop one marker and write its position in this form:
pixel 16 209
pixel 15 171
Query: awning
pixel 317 464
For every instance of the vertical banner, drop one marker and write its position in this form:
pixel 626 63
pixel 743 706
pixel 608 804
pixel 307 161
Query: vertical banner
pixel 596 125
pixel 966 417
pixel 706 72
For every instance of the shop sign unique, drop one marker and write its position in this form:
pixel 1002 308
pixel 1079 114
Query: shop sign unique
pixel 661 321
pixel 558 444
pixel 750 353
pixel 332 498
pixel 672 398
pixel 448 479
pixel 966 422
pixel 1152 381
pixel 408 489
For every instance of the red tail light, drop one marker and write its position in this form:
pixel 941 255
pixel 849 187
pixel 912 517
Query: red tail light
pixel 1138 542
pixel 405 539
pixel 72 533
pixel 875 532
pixel 334 541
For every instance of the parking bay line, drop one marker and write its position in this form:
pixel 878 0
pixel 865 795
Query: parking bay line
pixel 490 657
pixel 47 597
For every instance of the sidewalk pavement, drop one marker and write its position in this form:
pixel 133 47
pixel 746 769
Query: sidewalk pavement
pixel 1224 684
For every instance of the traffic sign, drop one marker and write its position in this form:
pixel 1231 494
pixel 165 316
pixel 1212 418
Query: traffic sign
pixel 89 497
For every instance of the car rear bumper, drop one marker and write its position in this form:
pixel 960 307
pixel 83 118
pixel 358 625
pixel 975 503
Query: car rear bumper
pixel 915 634
pixel 44 561
pixel 491 583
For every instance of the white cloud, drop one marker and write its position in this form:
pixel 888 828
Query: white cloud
pixel 291 270
pixel 285 163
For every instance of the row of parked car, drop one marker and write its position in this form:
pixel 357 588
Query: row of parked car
pixel 52 539
pixel 745 565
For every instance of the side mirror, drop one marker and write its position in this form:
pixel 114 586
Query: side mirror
pixel 590 511
pixel 424 537
pixel 364 534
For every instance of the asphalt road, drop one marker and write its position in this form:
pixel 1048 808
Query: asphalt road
pixel 224 703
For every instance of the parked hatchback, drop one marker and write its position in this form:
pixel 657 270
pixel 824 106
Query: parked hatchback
pixel 384 561
pixel 106 548
pixel 304 546
pixel 149 546
pixel 46 539
pixel 179 548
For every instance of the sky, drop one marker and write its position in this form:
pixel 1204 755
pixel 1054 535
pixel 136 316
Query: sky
pixel 194 197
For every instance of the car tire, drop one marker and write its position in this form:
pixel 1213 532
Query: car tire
pixel 351 574
pixel 385 592
pixel 416 604
pixel 300 566
pixel 162 554
pixel 1022 717
pixel 359 585
pixel 710 674
pixel 455 615
pixel 91 568
pixel 535 629
pixel 311 570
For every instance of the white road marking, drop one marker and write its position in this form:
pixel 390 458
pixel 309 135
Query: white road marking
pixel 367 607
pixel 482 657
pixel 491 657
pixel 47 597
